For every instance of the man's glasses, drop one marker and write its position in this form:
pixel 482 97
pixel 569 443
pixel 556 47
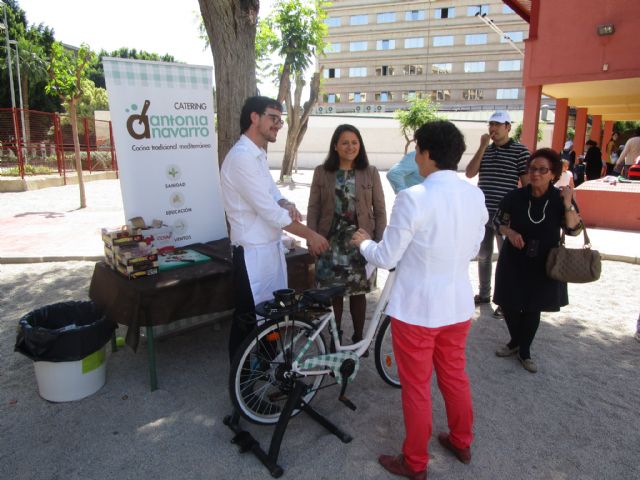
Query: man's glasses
pixel 540 170
pixel 276 119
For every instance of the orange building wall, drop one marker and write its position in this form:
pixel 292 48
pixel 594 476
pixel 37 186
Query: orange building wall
pixel 567 47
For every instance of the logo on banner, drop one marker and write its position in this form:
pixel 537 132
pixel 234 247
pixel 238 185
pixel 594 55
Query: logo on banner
pixel 141 125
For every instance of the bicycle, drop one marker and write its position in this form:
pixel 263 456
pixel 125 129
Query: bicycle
pixel 289 348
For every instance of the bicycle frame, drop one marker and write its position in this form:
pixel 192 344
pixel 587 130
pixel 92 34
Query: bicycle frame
pixel 358 348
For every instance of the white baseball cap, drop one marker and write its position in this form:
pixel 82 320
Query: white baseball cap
pixel 500 117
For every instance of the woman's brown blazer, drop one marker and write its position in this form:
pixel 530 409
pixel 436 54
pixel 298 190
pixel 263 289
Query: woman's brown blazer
pixel 370 209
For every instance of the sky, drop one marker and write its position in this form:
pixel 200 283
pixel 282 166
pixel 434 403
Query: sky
pixel 158 26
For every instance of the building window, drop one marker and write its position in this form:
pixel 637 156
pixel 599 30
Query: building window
pixel 440 95
pixel 384 97
pixel 412 70
pixel 448 12
pixel 357 97
pixel 414 15
pixel 475 39
pixel 332 48
pixel 384 70
pixel 331 73
pixel 507 93
pixel 385 44
pixel 357 46
pixel 509 66
pixel 417 42
pixel 332 98
pixel 477 9
pixel 441 68
pixel 506 9
pixel 515 36
pixel 473 67
pixel 411 95
pixel 358 71
pixel 387 17
pixel 332 21
pixel 358 20
pixel 443 41
pixel 472 94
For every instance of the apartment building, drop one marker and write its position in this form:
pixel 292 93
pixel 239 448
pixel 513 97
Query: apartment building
pixel 384 53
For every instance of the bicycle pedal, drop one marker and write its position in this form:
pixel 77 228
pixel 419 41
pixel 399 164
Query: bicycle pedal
pixel 348 403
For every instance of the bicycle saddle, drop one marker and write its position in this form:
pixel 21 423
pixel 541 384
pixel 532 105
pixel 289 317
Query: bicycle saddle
pixel 323 296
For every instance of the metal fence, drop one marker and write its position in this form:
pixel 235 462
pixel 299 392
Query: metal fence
pixel 40 143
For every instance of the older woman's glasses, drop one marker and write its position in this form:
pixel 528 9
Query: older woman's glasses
pixel 276 119
pixel 540 170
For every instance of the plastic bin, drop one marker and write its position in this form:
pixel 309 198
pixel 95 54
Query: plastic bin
pixel 67 343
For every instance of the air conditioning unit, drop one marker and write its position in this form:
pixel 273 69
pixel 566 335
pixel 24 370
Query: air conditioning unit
pixel 358 108
pixel 369 108
pixel 320 110
pixel 379 108
pixel 329 109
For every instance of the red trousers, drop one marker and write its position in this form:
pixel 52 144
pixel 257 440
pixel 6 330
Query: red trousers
pixel 417 350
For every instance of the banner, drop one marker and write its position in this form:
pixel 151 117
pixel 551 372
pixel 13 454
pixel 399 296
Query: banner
pixel 163 125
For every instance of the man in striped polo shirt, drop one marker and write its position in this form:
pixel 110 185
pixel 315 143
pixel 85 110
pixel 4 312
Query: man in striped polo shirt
pixel 500 165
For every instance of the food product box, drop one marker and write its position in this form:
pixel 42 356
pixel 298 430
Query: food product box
pixel 131 254
pixel 137 267
pixel 138 274
pixel 119 241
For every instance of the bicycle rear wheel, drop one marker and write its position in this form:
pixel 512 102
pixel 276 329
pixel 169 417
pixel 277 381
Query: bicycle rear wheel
pixel 258 385
pixel 385 360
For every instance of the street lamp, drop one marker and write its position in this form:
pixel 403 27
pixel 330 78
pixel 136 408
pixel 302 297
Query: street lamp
pixel 6 31
pixel 24 136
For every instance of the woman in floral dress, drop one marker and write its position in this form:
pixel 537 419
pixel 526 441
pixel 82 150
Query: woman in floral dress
pixel 346 194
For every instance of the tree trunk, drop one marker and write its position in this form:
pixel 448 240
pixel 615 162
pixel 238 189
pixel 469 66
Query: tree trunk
pixel 231 27
pixel 298 120
pixel 76 149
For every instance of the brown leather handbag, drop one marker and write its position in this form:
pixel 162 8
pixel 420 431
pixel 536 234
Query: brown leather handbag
pixel 574 265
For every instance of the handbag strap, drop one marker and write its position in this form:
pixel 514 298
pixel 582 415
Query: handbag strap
pixel 585 237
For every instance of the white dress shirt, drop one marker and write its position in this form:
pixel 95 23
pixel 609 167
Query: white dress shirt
pixel 434 232
pixel 251 196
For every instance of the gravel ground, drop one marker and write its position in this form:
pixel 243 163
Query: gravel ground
pixel 575 419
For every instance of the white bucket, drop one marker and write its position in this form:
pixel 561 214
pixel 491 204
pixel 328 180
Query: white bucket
pixel 68 381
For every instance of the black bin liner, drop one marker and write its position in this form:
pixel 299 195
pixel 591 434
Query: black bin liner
pixel 63 332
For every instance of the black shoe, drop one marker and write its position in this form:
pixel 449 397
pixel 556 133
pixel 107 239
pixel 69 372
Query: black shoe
pixel 478 300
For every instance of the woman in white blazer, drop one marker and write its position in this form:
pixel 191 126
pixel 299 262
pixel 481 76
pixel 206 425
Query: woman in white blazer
pixel 434 232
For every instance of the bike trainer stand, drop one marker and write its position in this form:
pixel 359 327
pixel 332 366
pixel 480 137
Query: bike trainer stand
pixel 246 442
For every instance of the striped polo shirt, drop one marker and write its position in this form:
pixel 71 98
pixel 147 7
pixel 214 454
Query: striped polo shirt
pixel 500 170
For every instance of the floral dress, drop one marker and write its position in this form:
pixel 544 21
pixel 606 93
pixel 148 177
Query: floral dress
pixel 342 263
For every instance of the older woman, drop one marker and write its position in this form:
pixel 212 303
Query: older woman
pixel 531 219
pixel 346 194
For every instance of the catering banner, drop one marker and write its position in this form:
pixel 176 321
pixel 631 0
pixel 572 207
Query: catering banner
pixel 163 125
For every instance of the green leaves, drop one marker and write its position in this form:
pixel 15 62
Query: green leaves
pixel 67 69
pixel 421 111
pixel 295 31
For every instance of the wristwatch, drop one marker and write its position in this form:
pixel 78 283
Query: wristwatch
pixel 570 208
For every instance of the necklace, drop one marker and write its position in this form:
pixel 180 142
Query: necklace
pixel 543 212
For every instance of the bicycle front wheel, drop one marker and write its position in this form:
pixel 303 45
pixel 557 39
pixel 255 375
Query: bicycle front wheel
pixel 259 383
pixel 385 360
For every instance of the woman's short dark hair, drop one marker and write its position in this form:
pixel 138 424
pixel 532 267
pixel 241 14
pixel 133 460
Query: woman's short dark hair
pixel 554 160
pixel 258 105
pixel 332 162
pixel 592 143
pixel 444 142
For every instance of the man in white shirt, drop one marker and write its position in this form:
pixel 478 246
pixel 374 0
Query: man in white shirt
pixel 434 232
pixel 257 213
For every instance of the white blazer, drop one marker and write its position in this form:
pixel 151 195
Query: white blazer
pixel 434 232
